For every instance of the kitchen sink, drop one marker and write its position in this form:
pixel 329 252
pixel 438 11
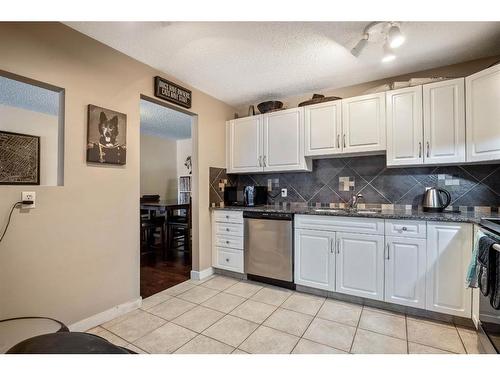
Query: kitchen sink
pixel 331 210
pixel 367 211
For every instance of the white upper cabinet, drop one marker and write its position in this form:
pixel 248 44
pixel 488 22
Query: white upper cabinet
pixel 284 141
pixel 265 143
pixel 244 145
pixel 315 259
pixel 360 265
pixel 444 122
pixel 405 269
pixel 483 115
pixel 404 126
pixel 363 123
pixel 449 250
pixel 323 129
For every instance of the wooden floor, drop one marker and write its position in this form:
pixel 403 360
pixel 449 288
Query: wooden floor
pixel 158 274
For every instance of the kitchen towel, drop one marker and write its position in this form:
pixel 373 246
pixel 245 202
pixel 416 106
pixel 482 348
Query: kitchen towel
pixel 489 270
pixel 471 280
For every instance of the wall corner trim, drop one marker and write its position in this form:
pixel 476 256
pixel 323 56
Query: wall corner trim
pixel 200 275
pixel 105 316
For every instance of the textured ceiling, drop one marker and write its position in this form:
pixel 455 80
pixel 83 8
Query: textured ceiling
pixel 244 62
pixel 26 96
pixel 164 122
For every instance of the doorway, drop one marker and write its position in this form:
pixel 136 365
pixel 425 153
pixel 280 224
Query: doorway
pixel 166 180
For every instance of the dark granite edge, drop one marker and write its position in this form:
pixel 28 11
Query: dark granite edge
pixel 462 217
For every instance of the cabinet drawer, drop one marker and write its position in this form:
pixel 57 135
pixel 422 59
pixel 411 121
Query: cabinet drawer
pixel 228 216
pixel 229 259
pixel 340 224
pixel 233 242
pixel 406 228
pixel 229 229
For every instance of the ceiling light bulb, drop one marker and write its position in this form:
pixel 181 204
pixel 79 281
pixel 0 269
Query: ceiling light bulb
pixel 388 53
pixel 358 48
pixel 394 37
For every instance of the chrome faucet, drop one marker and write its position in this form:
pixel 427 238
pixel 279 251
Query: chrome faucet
pixel 353 203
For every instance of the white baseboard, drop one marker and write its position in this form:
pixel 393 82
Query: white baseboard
pixel 103 317
pixel 199 275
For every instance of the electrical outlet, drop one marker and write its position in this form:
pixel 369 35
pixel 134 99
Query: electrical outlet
pixel 29 196
pixel 284 193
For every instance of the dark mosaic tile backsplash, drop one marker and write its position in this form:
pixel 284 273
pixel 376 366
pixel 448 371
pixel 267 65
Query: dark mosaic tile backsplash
pixel 336 180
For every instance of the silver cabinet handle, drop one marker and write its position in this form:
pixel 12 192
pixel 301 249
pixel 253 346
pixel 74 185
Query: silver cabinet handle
pixel 404 228
pixel 344 141
pixel 338 246
pixel 428 149
pixel 264 161
pixel 260 161
pixel 227 242
pixel 338 140
pixel 227 260
pixel 388 249
pixel 419 149
pixel 227 229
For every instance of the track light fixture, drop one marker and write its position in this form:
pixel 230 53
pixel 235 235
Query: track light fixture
pixel 390 33
pixel 360 45
pixel 394 36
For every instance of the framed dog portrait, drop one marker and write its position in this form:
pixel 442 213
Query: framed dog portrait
pixel 106 136
pixel 19 159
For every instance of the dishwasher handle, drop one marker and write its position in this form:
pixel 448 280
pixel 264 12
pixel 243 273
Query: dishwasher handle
pixel 267 215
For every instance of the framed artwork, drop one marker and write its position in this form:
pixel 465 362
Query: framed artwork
pixel 106 136
pixel 19 159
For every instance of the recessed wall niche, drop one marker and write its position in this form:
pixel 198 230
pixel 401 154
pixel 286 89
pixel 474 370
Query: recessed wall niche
pixel 31 132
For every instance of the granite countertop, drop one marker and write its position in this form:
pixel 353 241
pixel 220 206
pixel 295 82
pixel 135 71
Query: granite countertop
pixel 463 216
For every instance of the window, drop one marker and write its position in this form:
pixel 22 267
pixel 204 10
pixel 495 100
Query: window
pixel 31 123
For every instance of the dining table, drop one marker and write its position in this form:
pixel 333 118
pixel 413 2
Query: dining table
pixel 167 205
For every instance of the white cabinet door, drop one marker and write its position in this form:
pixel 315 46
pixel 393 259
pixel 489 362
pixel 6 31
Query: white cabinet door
pixel 363 123
pixel 244 145
pixel 405 267
pixel 444 122
pixel 323 128
pixel 483 115
pixel 284 141
pixel 449 248
pixel 404 126
pixel 360 265
pixel 315 259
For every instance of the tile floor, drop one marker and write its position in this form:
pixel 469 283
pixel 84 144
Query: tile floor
pixel 224 315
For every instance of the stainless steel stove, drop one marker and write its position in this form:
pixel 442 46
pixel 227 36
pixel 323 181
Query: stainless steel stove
pixel 489 317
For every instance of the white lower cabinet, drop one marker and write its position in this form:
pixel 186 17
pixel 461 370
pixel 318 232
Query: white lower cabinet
pixel 416 263
pixel 449 248
pixel 405 269
pixel 360 265
pixel 227 240
pixel 315 259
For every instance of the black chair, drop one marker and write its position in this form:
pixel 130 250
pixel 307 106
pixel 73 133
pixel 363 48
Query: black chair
pixel 152 225
pixel 179 231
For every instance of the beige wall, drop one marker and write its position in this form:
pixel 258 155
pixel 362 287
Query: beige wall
pixel 77 254
pixel 19 120
pixel 452 71
pixel 158 166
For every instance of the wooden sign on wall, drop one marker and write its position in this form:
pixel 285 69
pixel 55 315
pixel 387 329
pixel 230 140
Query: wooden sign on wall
pixel 171 92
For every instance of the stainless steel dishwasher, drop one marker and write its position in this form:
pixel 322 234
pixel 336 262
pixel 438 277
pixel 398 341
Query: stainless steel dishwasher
pixel 268 247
